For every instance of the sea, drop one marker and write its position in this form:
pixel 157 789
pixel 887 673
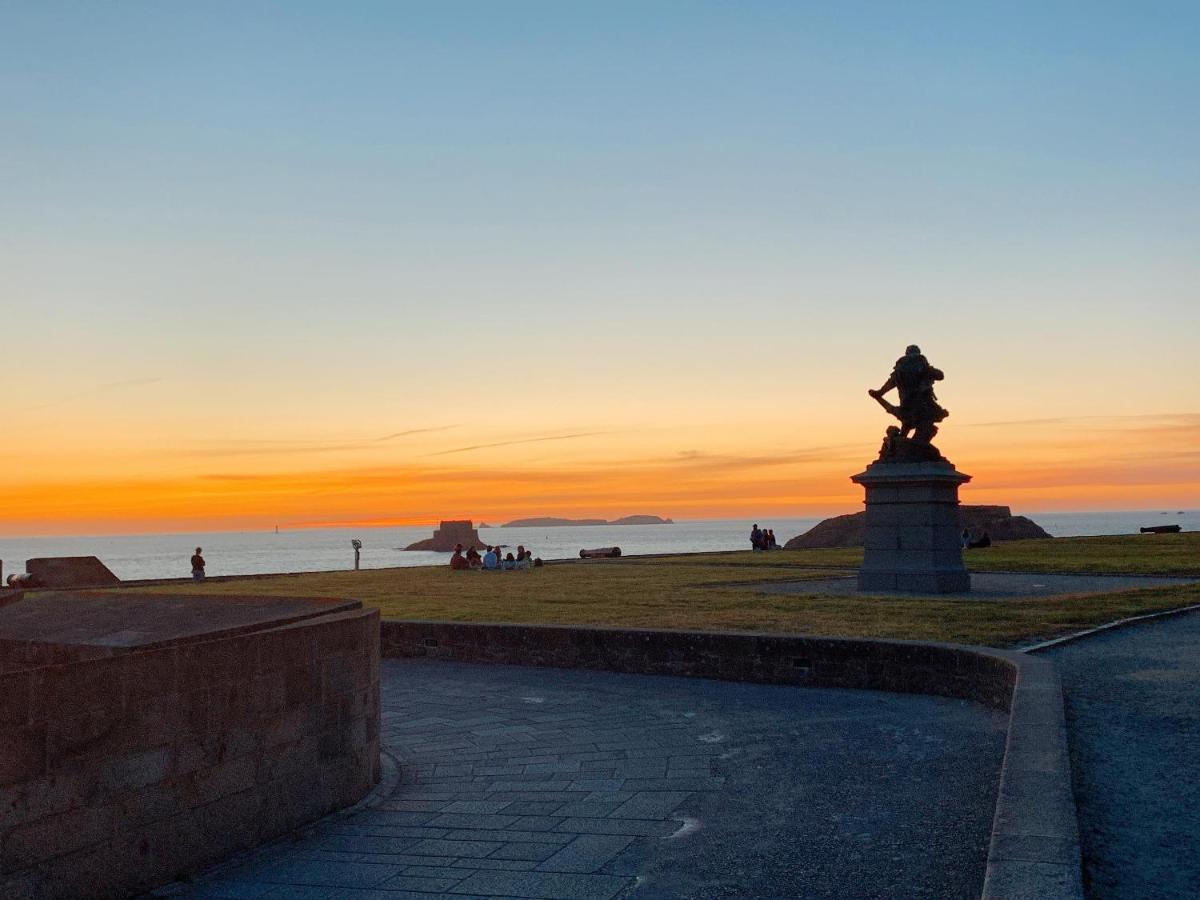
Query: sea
pixel 136 556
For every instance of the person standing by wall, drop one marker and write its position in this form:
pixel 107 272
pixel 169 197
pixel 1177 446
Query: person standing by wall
pixel 197 565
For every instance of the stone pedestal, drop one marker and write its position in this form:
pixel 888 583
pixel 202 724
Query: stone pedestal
pixel 913 538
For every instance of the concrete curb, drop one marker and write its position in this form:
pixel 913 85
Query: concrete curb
pixel 1034 850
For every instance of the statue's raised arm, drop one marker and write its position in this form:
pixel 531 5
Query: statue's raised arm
pixel 918 410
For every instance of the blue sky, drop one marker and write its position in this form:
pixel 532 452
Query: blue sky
pixel 282 218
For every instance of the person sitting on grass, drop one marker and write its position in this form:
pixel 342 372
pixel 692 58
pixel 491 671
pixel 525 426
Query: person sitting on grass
pixel 985 540
pixel 457 560
pixel 524 558
pixel 510 562
pixel 473 558
pixel 491 560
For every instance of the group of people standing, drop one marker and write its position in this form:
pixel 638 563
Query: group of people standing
pixel 494 560
pixel 763 538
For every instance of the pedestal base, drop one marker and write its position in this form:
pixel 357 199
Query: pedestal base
pixel 913 538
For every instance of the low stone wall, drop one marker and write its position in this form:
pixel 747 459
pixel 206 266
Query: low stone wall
pixel 1034 849
pixel 914 667
pixel 136 766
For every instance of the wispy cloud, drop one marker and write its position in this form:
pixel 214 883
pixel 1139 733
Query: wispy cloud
pixel 260 447
pixel 410 432
pixel 93 391
pixel 534 440
pixel 1019 423
pixel 1178 420
pixel 698 459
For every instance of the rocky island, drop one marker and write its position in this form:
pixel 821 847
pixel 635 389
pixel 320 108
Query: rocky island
pixel 553 522
pixel 850 530
pixel 448 534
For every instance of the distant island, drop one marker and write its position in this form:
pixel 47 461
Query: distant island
pixel 552 522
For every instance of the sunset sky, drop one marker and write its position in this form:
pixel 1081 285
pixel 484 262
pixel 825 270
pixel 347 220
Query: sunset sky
pixel 312 263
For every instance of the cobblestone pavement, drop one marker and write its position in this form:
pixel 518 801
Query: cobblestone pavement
pixel 547 783
pixel 1133 721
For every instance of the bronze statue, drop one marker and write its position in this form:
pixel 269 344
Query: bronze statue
pixel 918 412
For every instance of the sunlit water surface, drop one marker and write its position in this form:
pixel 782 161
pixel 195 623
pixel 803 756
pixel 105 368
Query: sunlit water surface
pixel 320 549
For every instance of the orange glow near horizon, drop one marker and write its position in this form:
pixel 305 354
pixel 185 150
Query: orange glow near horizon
pixel 1085 465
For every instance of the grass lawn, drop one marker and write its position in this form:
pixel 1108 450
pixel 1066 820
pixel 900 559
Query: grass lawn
pixel 1140 554
pixel 716 591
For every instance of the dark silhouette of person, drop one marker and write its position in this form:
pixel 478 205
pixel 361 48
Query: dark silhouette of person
pixel 197 565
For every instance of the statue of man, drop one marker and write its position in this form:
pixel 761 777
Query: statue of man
pixel 918 412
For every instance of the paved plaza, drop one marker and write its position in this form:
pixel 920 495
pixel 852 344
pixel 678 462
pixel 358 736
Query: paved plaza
pixel 544 783
pixel 1133 717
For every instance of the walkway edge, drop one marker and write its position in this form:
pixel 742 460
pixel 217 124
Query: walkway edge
pixel 1119 623
pixel 1034 850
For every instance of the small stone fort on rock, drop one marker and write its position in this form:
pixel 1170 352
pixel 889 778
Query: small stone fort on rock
pixel 448 534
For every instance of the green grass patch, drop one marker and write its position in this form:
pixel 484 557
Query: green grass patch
pixel 1137 554
pixel 1130 554
pixel 717 592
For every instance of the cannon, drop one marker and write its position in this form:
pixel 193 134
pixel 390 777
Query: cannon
pixel 600 553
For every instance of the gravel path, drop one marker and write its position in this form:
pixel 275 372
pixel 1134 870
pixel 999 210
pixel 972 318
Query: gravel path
pixel 548 783
pixel 1133 718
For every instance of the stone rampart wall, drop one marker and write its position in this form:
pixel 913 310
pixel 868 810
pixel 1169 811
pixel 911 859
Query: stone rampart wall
pixel 130 770
pixel 906 666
